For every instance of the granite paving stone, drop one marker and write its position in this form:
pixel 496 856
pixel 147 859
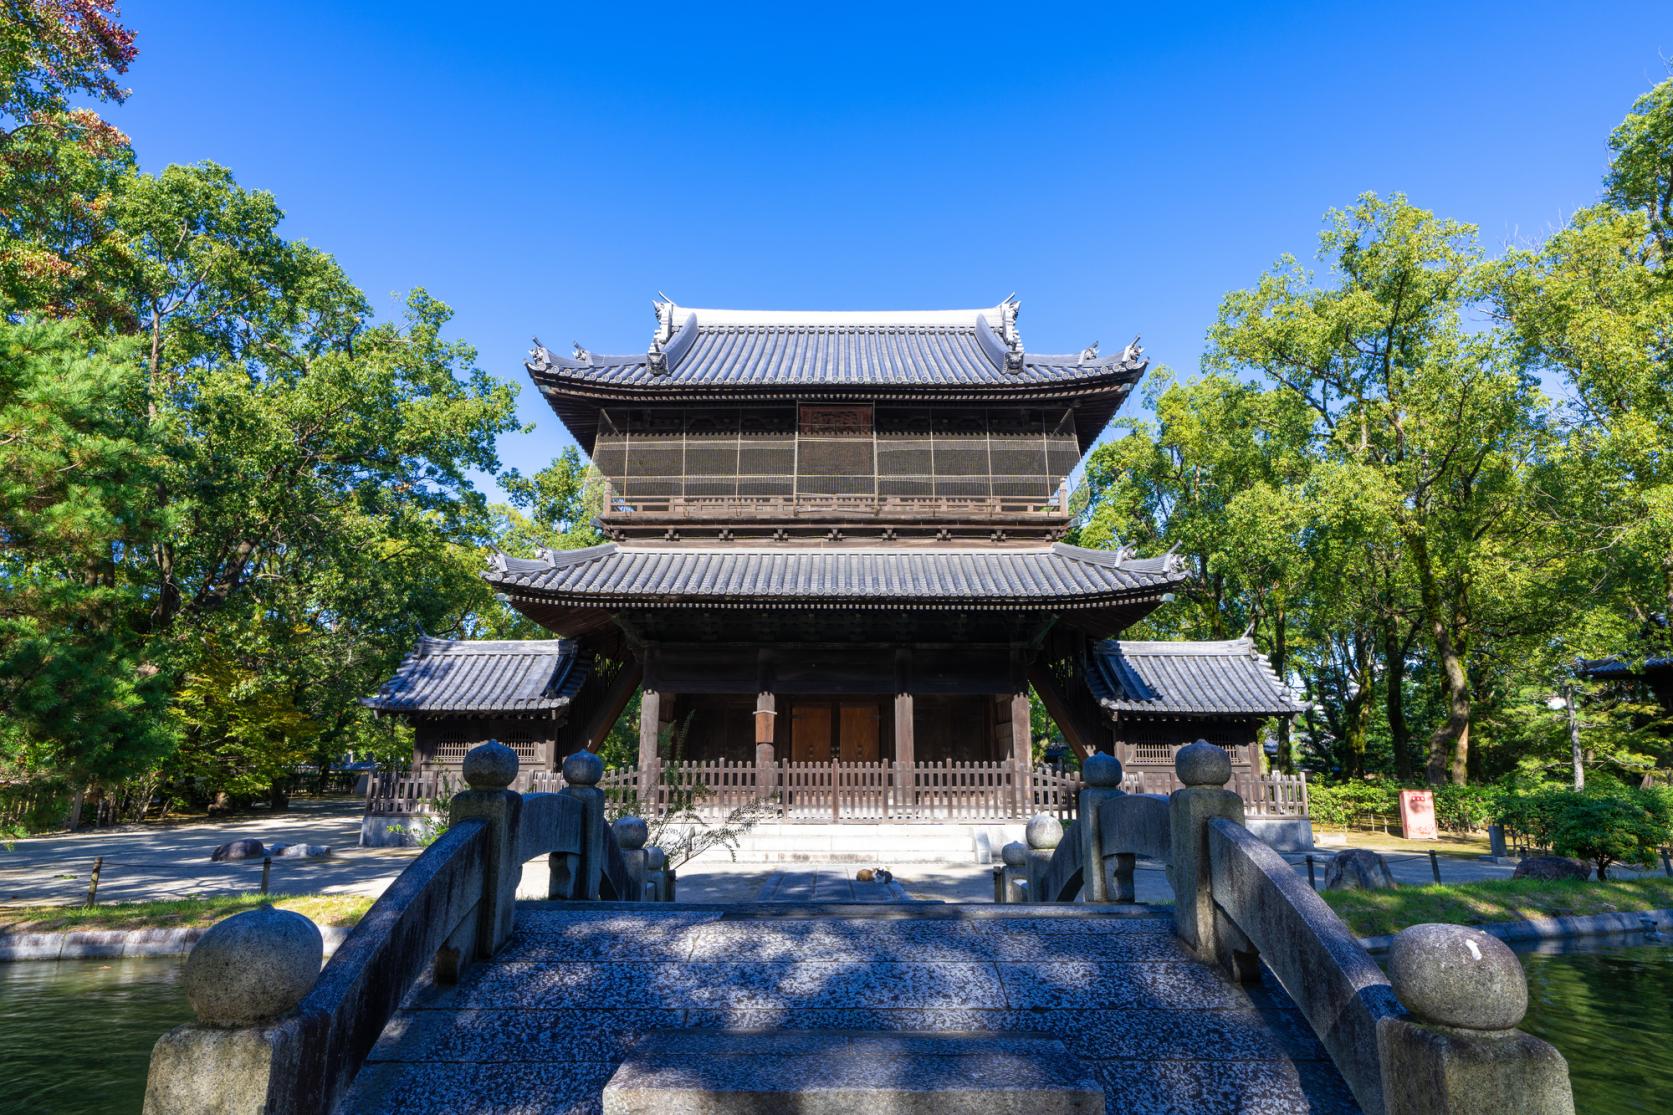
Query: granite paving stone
pixel 541 1027
pixel 1219 1088
pixel 1090 984
pixel 518 1035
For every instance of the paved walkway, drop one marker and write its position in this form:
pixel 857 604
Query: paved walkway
pixel 172 861
pixel 540 1029
pixel 831 884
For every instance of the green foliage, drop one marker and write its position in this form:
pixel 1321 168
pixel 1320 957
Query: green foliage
pixel 231 497
pixel 1605 824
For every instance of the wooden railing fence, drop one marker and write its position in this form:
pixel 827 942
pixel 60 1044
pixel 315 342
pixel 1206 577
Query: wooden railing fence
pixel 840 793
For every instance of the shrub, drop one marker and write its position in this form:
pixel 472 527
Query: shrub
pixel 1604 825
pixel 1465 808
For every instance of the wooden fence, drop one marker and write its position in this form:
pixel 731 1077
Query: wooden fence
pixel 842 793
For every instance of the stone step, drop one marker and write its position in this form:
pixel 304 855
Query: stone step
pixel 850 1072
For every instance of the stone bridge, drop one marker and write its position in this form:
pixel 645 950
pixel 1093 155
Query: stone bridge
pixel 1246 996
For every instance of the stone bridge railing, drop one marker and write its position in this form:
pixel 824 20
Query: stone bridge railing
pixel 1436 1035
pixel 278 1036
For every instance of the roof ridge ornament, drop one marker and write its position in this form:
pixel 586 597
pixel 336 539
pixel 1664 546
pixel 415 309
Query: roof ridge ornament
pixel 1088 354
pixel 539 356
pixel 1008 333
pixel 1133 355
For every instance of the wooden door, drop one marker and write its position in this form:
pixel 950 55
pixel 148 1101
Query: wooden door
pixel 810 732
pixel 858 741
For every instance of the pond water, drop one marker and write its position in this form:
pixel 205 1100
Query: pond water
pixel 76 1036
pixel 1609 1008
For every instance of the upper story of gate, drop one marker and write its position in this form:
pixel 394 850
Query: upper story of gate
pixel 836 426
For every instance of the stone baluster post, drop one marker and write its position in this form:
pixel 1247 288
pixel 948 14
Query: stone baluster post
pixel 1044 833
pixel 576 877
pixel 1013 873
pixel 1101 778
pixel 1459 1052
pixel 243 978
pixel 489 769
pixel 1204 769
pixel 656 875
pixel 631 834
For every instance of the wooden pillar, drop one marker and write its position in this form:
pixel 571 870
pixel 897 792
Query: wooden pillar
pixel 1022 750
pixel 766 714
pixel 650 720
pixel 905 745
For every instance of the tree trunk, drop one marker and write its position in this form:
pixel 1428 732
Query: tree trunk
pixel 1394 674
pixel 1280 666
pixel 1576 756
pixel 1449 745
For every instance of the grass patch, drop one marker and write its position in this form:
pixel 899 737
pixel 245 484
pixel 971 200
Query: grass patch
pixel 179 913
pixel 1372 913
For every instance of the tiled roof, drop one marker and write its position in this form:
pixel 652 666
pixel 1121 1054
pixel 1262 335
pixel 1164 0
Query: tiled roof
pixel 1058 576
pixel 1181 678
pixel 455 675
pixel 742 349
pixel 1596 668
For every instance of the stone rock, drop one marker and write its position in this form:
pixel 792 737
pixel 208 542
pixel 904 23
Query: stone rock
pixel 253 967
pixel 1358 869
pixel 583 769
pixel 1101 770
pixel 655 859
pixel 299 851
pixel 1550 868
pixel 1454 975
pixel 1014 854
pixel 631 833
pixel 247 848
pixel 1203 764
pixel 490 766
pixel 864 875
pixel 1044 831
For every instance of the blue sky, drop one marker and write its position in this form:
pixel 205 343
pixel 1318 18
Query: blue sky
pixel 546 169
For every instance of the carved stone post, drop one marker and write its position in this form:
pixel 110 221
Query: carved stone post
pixel 1204 769
pixel 631 834
pixel 1460 1052
pixel 656 875
pixel 489 769
pixel 1013 873
pixel 1043 834
pixel 244 979
pixel 1101 776
pixel 577 876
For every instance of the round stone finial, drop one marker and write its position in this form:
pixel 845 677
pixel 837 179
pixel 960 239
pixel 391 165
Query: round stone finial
pixel 1203 764
pixel 1044 831
pixel 1453 975
pixel 490 766
pixel 631 833
pixel 583 768
pixel 253 967
pixel 655 858
pixel 1014 854
pixel 1101 770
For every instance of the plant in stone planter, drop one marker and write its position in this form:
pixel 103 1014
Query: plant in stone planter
pixel 676 824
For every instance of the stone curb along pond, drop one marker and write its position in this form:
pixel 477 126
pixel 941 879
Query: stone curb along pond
pixel 107 944
pixel 1557 929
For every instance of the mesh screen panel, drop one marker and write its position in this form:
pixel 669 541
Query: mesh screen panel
pixel 840 450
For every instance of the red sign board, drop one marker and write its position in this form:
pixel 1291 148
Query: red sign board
pixel 1417 815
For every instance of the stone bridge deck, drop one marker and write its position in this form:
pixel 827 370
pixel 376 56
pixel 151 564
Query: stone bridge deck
pixel 541 1027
